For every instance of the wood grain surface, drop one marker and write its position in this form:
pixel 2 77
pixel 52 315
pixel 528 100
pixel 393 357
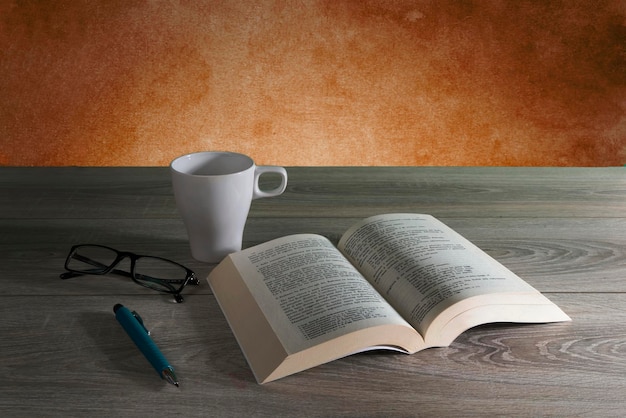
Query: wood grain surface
pixel 63 354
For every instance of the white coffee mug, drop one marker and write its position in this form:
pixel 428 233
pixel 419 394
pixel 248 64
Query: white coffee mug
pixel 214 191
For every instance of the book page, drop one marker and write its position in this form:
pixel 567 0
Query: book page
pixel 421 266
pixel 309 292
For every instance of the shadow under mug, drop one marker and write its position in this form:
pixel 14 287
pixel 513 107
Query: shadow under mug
pixel 214 191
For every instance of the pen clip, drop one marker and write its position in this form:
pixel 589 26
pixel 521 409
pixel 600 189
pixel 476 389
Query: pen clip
pixel 138 318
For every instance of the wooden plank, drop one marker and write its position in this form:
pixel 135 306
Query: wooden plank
pixel 72 192
pixel 85 365
pixel 573 255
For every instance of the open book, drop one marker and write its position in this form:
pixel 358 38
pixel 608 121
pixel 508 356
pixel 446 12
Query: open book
pixel 404 282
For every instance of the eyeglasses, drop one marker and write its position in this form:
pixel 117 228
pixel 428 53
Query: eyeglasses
pixel 155 273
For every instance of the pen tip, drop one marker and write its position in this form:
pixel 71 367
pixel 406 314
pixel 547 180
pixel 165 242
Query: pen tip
pixel 168 374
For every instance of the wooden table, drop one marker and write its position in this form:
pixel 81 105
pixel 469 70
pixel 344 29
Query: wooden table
pixel 63 353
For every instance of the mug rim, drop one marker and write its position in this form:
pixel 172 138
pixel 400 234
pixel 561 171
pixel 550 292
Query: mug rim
pixel 188 156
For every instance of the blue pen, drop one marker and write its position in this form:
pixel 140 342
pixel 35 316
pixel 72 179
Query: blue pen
pixel 133 325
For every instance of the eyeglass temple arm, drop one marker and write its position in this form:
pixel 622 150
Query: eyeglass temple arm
pixel 95 263
pixel 70 274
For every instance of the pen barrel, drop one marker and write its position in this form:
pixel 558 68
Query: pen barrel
pixel 142 340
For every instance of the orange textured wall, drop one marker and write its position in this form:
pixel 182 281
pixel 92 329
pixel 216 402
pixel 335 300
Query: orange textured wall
pixel 328 82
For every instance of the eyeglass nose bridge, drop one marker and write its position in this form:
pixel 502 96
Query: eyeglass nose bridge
pixel 121 256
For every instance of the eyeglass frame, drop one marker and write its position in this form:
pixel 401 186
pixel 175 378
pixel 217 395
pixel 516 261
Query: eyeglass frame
pixel 190 277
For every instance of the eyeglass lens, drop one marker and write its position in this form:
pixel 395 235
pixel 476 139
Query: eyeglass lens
pixel 150 268
pixel 91 259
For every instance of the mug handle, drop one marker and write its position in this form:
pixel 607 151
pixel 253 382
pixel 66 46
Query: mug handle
pixel 258 171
